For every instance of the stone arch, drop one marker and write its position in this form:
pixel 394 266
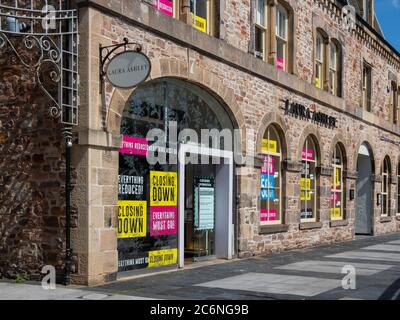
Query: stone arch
pixel 273 118
pixel 371 148
pixel 166 67
pixel 311 130
pixel 339 139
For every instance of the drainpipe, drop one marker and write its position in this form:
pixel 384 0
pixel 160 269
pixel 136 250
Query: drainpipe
pixel 67 132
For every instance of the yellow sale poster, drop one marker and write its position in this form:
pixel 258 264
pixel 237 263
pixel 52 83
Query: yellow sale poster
pixel 305 183
pixel 268 146
pixel 132 216
pixel 317 82
pixel 335 213
pixel 305 195
pixel 163 188
pixel 199 23
pixel 162 257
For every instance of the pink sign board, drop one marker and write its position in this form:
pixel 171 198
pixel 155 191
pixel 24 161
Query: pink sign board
pixel 307 154
pixel 280 63
pixel 268 215
pixel 163 220
pixel 164 6
pixel 268 165
pixel 135 146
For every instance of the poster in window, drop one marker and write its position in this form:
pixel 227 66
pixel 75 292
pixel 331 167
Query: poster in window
pixel 132 218
pixel 268 166
pixel 164 6
pixel 163 220
pixel 267 181
pixel 307 154
pixel 134 146
pixel 335 213
pixel 268 215
pixel 269 146
pixel 162 257
pixel 280 63
pixel 267 194
pixel 199 23
pixel 163 188
pixel 317 82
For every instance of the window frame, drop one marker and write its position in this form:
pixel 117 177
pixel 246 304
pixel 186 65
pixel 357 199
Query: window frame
pixel 315 189
pixel 320 64
pixel 385 184
pixel 394 102
pixel 342 181
pixel 367 87
pixel 263 30
pixel 281 9
pixel 334 85
pixel 210 16
pixel 279 156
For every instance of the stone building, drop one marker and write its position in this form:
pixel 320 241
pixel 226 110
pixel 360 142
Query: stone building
pixel 314 93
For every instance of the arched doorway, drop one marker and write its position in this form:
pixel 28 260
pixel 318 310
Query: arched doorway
pixel 364 192
pixel 172 212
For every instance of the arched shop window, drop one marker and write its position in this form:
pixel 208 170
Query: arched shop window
pixel 271 178
pixel 337 185
pixel 147 226
pixel 385 187
pixel 308 181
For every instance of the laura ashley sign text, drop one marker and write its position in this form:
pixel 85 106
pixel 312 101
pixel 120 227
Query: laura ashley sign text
pixel 297 110
pixel 128 69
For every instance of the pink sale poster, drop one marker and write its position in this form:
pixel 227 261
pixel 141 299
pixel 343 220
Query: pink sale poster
pixel 268 165
pixel 307 154
pixel 163 220
pixel 268 215
pixel 134 146
pixel 164 6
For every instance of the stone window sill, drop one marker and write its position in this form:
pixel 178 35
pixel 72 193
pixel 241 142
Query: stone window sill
pixel 273 228
pixel 310 225
pixel 338 223
pixel 385 219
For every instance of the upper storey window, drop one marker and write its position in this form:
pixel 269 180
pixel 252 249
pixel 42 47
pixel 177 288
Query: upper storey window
pixel 327 63
pixel 366 87
pixel 319 61
pixel 261 29
pixel 272 32
pixel 200 13
pixel 394 103
pixel 281 27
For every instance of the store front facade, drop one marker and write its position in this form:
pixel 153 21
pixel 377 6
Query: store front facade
pixel 220 154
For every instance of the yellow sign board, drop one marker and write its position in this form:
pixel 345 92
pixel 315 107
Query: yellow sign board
pixel 199 23
pixel 163 188
pixel 305 186
pixel 269 146
pixel 335 214
pixel 162 257
pixel 317 82
pixel 132 219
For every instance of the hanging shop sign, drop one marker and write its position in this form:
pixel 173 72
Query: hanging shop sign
pixel 128 69
pixel 204 203
pixel 300 111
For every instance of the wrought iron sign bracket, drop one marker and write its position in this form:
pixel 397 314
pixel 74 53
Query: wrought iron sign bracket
pixel 107 52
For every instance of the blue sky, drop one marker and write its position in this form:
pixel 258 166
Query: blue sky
pixel 388 13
